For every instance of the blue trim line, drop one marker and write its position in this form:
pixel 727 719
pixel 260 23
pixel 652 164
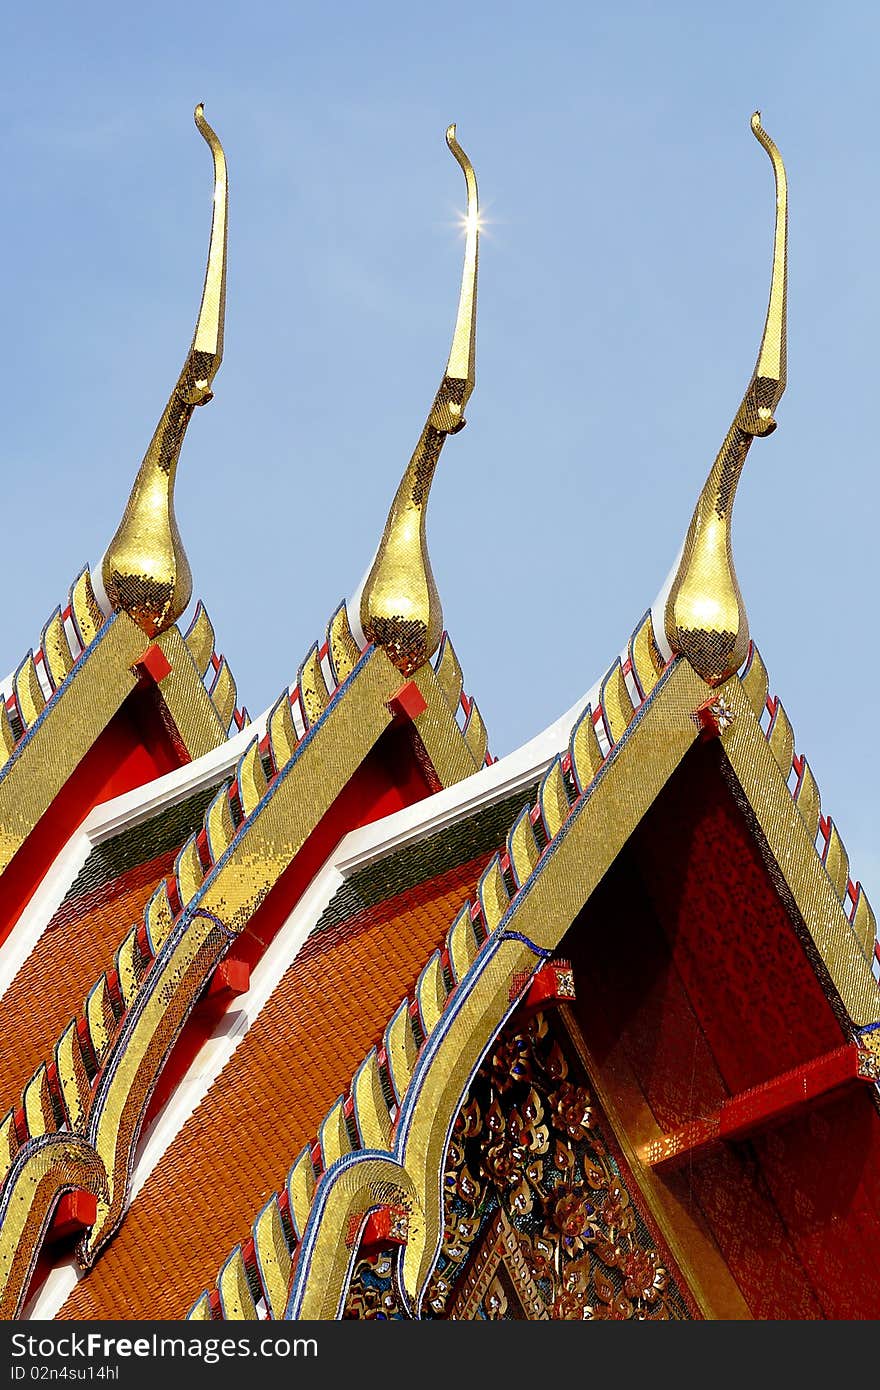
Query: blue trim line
pixel 518 936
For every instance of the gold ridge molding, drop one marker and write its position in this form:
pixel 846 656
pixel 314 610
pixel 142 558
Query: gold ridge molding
pixel 78 712
pixel 194 713
pixel 818 897
pixel 57 733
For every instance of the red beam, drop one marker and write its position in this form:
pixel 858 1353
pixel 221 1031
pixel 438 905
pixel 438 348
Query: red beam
pixel 775 1101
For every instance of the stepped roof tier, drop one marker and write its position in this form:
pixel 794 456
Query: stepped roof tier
pixel 332 1014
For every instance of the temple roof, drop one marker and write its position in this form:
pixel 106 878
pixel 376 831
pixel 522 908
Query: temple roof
pixel 381 888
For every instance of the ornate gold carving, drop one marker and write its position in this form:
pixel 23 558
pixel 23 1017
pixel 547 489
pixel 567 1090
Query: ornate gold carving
pixel 530 1145
pixel 37 1104
pixel 780 737
pixel 617 706
pixel 158 917
pixel 492 894
pixel 431 994
pixel 56 650
pixel 188 870
pixel 836 860
pixel 342 650
pixel 28 692
pixel 88 617
pixel 461 944
pixel 333 1134
pixel 73 1079
pixel 400 605
pixel 705 615
pixel 236 1298
pixel 199 638
pixel 219 829
pixel 647 663
pixel 273 1257
pixel 282 732
pixel 553 800
pixel 370 1109
pixel 400 1049
pixel 251 778
pixel 475 735
pixel 807 799
pixel 586 755
pixel 222 693
pixel 864 923
pixel 313 693
pixel 449 675
pixel 522 847
pixel 482 1293
pixel 372 1294
pixel 145 570
pixel 301 1190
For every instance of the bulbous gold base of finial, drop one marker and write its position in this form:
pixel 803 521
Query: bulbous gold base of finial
pixel 145 570
pixel 706 619
pixel 400 605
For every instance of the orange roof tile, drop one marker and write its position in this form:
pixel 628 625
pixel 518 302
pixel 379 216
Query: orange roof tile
pixel 72 952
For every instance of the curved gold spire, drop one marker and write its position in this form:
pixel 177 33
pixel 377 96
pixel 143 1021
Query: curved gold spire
pixel 145 570
pixel 400 606
pixel 705 614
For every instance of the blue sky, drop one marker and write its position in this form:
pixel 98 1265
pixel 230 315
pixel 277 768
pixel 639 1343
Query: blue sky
pixel 624 276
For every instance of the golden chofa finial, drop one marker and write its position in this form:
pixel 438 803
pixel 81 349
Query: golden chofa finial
pixel 400 605
pixel 705 614
pixel 145 570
